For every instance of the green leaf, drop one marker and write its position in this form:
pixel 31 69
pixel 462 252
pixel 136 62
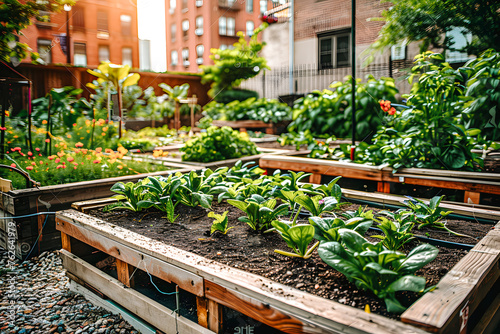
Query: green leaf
pixel 408 283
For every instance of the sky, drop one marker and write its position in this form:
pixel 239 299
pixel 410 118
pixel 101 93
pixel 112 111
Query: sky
pixel 151 17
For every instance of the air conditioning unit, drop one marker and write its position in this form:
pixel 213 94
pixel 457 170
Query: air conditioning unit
pixel 198 32
pixel 199 61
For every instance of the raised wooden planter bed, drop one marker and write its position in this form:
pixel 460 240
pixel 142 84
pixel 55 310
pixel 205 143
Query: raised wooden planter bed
pixel 271 128
pixel 473 183
pixel 23 202
pixel 460 295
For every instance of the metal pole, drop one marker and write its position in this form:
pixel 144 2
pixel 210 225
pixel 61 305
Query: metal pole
pixel 68 43
pixel 353 66
pixel 292 46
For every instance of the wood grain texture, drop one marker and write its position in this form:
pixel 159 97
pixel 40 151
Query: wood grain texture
pixel 188 281
pixel 66 241
pixel 315 178
pixel 214 316
pixel 468 282
pixel 152 312
pixel 202 311
pixel 318 311
pixel 473 197
pixel 243 124
pixel 124 271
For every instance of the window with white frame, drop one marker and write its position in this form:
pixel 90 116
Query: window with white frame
pixel 334 50
pixel 250 28
pixel 200 49
pixel 185 27
pixel 199 26
pixel 223 47
pixel 185 57
pixel 231 25
pixel 460 37
pixel 222 25
pixel 173 4
pixel 44 50
pixel 174 58
pixel 127 56
pixel 126 21
pixel 263 6
pixel 173 32
pixel 103 53
pixel 80 57
pixel 249 6
pixel 199 3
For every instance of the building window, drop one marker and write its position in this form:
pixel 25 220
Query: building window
pixel 231 24
pixel 222 25
pixel 263 6
pixel 175 57
pixel 172 6
pixel 43 16
pixel 44 50
pixel 103 53
pixel 185 57
pixel 173 32
pixel 223 47
pixel 334 50
pixel 184 5
pixel 249 6
pixel 78 18
pixel 80 57
pixel 102 21
pixel 199 54
pixel 250 28
pixel 199 3
pixel 185 27
pixel 127 56
pixel 199 26
pixel 460 37
pixel 126 21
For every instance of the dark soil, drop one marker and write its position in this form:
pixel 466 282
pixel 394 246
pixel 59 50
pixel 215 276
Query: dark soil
pixel 251 251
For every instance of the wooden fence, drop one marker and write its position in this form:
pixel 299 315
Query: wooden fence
pixel 52 76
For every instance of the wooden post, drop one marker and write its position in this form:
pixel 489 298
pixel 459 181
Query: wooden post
pixel 472 196
pixel 124 270
pixel 201 306
pixel 214 316
pixel 315 178
pixel 66 242
pixel 243 130
pixel 384 187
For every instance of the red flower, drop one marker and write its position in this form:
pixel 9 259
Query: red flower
pixel 78 144
pixel 385 105
pixel 392 111
pixel 29 167
pixel 3 128
pixel 37 149
pixel 30 154
pixel 96 161
pixel 13 165
pixel 59 166
pixel 47 140
pixel 57 160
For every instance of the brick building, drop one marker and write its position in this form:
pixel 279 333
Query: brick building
pixel 100 30
pixel 195 26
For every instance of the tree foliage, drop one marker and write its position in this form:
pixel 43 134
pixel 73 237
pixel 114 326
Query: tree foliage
pixel 16 16
pixel 427 21
pixel 232 66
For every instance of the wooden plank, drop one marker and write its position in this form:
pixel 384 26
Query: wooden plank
pixel 315 178
pixel 465 285
pixel 450 173
pixel 202 311
pixel 66 241
pixel 188 281
pixel 124 271
pixel 154 313
pixel 472 197
pixel 243 124
pixel 392 199
pixel 293 302
pixel 214 316
pixel 489 320
pixel 323 167
pixel 92 202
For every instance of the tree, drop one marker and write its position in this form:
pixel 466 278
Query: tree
pixel 232 66
pixel 16 16
pixel 427 21
pixel 119 77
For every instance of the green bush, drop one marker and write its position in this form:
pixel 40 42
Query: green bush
pixel 230 95
pixel 218 144
pixel 266 110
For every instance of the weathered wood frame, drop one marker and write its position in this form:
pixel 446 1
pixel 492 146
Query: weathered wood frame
pixel 473 183
pixel 283 307
pixel 242 126
pixel 53 198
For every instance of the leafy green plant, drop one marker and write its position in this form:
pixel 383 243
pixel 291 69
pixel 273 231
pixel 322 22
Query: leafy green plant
pixel 218 144
pixel 317 205
pixel 131 196
pixel 260 211
pixel 195 189
pixel 327 229
pixel 360 212
pixel 220 224
pixel 297 237
pixel 332 189
pixel 375 268
pixel 161 192
pixel 429 214
pixel 397 231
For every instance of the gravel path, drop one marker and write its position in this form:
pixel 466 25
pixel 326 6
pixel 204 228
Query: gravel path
pixel 35 299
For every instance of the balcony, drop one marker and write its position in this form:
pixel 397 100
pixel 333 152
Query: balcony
pixel 230 5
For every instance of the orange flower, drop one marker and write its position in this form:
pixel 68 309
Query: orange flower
pixel 41 162
pixel 108 150
pixel 13 165
pixel 98 150
pixel 29 168
pixel 385 105
pixel 392 111
pixel 44 121
pixel 74 167
pixel 79 144
pixel 120 167
pixel 57 160
pixel 70 159
pixel 33 163
pixel 51 157
pixel 96 161
pixel 47 140
pixel 37 149
pixel 59 166
pixel 30 154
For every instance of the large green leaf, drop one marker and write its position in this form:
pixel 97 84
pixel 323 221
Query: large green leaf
pixel 408 283
pixel 418 257
pixel 301 234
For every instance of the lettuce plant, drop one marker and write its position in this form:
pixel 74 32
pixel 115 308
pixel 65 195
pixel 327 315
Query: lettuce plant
pixel 131 196
pixel 260 211
pixel 317 205
pixel 327 229
pixel 297 237
pixel 375 268
pixel 220 224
